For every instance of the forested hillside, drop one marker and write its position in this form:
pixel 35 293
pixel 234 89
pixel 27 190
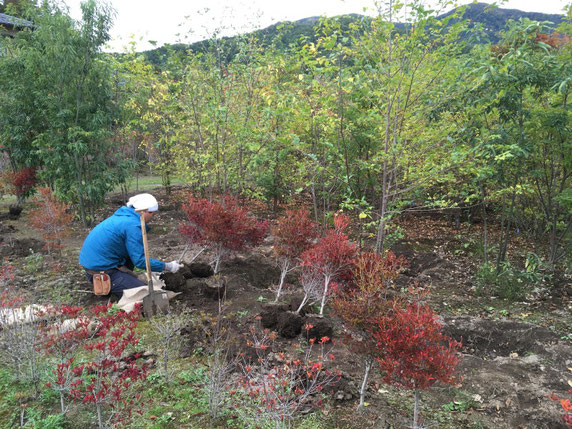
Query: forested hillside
pixel 490 21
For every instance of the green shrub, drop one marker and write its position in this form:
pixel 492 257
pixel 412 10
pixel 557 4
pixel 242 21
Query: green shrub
pixel 508 283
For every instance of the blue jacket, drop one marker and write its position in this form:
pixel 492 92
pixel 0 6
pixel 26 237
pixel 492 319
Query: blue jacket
pixel 117 238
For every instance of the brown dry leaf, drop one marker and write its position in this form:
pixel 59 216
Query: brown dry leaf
pixel 570 383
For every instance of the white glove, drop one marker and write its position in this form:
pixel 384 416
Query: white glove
pixel 173 266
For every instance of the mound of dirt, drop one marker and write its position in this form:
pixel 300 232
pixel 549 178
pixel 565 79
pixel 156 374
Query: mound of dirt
pixel 21 248
pixel 252 270
pixel 492 338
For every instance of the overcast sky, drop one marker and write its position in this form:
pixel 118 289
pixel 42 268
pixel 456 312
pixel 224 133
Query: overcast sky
pixel 171 21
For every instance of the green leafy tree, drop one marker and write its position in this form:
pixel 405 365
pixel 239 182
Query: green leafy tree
pixel 62 82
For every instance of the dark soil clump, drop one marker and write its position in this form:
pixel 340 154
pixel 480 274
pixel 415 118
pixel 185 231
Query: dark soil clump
pixel 200 269
pixel 186 272
pixel 174 281
pixel 14 212
pixel 289 324
pixel 269 314
pixel 254 270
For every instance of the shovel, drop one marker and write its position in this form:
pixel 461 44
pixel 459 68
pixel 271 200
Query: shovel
pixel 156 300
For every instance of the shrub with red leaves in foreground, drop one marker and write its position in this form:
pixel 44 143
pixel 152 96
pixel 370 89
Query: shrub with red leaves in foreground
pixel 413 352
pixel 279 389
pixel 224 227
pixel 294 233
pixel 107 378
pixel 66 332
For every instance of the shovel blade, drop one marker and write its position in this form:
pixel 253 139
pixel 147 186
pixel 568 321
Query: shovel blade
pixel 156 302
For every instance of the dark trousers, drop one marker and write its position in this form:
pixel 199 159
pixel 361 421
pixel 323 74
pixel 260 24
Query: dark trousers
pixel 120 281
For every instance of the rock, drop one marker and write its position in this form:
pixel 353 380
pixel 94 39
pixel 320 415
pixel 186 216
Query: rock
pixel 200 269
pixel 289 324
pixel 531 359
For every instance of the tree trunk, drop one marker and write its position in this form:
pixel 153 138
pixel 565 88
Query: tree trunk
pixel 416 410
pixel 326 285
pixel 368 363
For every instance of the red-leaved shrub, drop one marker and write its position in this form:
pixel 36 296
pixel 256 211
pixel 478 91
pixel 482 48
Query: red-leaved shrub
pixel 412 350
pixel 331 257
pixel 363 301
pixel 224 226
pixel 294 233
pixel 51 218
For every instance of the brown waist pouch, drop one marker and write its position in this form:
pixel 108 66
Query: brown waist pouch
pixel 101 282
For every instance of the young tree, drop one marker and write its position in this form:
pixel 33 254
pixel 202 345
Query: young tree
pixel 168 328
pixel 21 183
pixel 331 257
pixel 413 352
pixel 224 227
pixel 294 233
pixel 66 330
pixel 52 218
pixel 365 299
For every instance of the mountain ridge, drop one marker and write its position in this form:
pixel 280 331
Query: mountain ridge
pixel 492 19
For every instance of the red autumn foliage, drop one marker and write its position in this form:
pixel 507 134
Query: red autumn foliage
pixel 280 388
pixel 412 350
pixel 332 256
pixel 67 330
pixel 107 379
pixel 6 276
pixel 566 406
pixel 22 182
pixel 365 299
pixel 555 39
pixel 224 226
pixel 294 233
pixel 334 253
pixel 51 218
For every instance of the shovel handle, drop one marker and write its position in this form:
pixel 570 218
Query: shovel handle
pixel 146 249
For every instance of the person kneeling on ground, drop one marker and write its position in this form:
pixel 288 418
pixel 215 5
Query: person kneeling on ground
pixel 115 246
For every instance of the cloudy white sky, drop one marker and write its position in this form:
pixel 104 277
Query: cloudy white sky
pixel 171 21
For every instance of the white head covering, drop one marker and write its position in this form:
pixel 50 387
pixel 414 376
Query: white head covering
pixel 143 202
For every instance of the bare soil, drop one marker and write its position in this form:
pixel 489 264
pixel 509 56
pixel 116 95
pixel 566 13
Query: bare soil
pixel 514 356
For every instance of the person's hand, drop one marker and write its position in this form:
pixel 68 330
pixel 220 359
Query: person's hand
pixel 173 266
